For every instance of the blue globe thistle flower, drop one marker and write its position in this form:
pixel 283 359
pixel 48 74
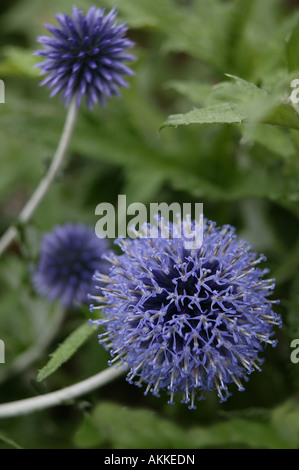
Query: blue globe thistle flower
pixel 69 256
pixel 86 56
pixel 188 321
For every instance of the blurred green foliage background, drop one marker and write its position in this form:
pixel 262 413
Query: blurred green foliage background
pixel 207 119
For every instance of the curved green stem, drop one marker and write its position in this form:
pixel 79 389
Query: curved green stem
pixel 25 359
pixel 44 185
pixel 41 402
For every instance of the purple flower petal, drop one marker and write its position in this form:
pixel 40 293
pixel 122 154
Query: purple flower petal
pixel 94 45
pixel 69 256
pixel 187 321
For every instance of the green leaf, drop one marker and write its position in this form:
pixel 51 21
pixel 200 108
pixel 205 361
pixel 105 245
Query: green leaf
pixel 285 420
pixel 288 268
pixel 18 62
pixel 292 49
pixel 127 428
pixel 66 350
pixel 274 138
pixel 222 113
pixel 284 115
pixel 199 32
pixel 196 92
pixel 240 101
pixel 113 426
pixel 236 432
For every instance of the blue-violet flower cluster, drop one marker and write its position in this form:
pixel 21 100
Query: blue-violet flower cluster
pixel 69 256
pixel 186 321
pixel 86 56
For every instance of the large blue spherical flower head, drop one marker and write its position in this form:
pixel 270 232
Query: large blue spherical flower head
pixel 69 256
pixel 187 321
pixel 86 56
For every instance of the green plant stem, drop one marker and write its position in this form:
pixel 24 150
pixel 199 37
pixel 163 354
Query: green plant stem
pixel 25 359
pixel 41 402
pixel 44 185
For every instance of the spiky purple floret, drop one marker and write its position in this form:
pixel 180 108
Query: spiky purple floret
pixel 69 256
pixel 187 321
pixel 86 56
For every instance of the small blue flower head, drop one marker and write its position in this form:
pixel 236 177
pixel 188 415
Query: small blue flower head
pixel 187 321
pixel 86 56
pixel 69 256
